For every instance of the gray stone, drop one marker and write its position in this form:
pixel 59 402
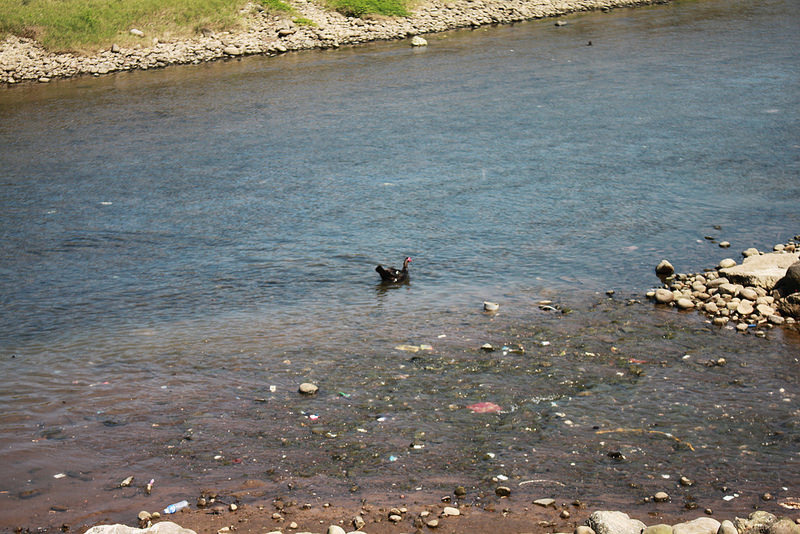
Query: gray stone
pixel 664 296
pixel 449 510
pixel 658 529
pixel 726 263
pixel 164 527
pixel 661 496
pixel 583 529
pixel 790 306
pixel 761 271
pixel 745 307
pixel 664 268
pixel 748 293
pixel 232 51
pixel 765 310
pixel 604 522
pixel 137 33
pixel 306 388
pixel 716 282
pixel 724 244
pixel 726 527
pixel 757 523
pixel 701 525
pixel 710 307
pixel 728 289
pixel 784 526
pixel 335 529
pixel 418 41
pixel 545 502
pixel 685 303
pixel 790 283
pixel 750 252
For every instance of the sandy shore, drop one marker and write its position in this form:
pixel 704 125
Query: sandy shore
pixel 266 34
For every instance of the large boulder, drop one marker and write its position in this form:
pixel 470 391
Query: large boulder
pixel 790 283
pixel 701 525
pixel 763 270
pixel 164 527
pixel 603 522
pixel 790 306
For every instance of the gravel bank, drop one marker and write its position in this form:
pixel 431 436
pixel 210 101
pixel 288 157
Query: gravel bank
pixel 24 60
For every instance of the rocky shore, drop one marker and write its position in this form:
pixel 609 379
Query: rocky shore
pixel 761 292
pixel 450 519
pixel 267 34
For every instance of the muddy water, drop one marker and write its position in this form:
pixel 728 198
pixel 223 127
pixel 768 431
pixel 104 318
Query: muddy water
pixel 181 249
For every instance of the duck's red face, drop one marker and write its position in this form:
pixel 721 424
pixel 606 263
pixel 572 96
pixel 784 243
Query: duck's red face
pixel 408 260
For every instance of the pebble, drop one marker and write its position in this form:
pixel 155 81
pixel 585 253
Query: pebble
pixel 545 502
pixel 418 41
pixel 450 511
pixel 727 263
pixel 661 496
pixel 490 306
pixel 502 491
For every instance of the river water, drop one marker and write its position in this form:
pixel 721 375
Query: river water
pixel 182 248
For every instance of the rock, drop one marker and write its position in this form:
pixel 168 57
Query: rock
pixel 790 306
pixel 686 481
pixel 502 491
pixel 685 303
pixel 701 525
pixel 664 296
pixel 564 514
pixel 664 268
pixel 776 319
pixel 790 283
pixel 661 496
pixel 165 527
pixel 306 388
pixel 137 33
pixel 394 518
pixel 603 522
pixel 433 523
pixel 450 511
pixel 490 306
pixel 335 529
pixel 710 307
pixel 232 51
pixel 545 502
pixel 359 522
pixel 726 527
pixel 583 529
pixel 764 270
pixel 765 310
pixel 784 526
pixel 724 244
pixel 418 41
pixel 726 263
pixel 750 252
pixel 658 529
pixel 757 523
pixel 748 293
pixel 745 307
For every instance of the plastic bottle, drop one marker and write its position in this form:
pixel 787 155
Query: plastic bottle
pixel 172 508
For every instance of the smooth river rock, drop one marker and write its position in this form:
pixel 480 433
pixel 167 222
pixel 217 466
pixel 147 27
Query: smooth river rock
pixel 164 527
pixel 603 522
pixel 701 525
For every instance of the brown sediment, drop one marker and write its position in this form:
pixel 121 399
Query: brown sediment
pixel 23 59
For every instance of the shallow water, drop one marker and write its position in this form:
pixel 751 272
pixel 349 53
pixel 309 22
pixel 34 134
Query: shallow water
pixel 176 242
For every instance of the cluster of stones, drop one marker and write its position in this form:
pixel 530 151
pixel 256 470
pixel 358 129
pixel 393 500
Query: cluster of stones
pixel 733 295
pixel 759 522
pixel 266 34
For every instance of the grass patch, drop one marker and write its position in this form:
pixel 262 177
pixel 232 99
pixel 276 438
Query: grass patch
pixel 90 24
pixel 277 6
pixel 302 21
pixel 361 8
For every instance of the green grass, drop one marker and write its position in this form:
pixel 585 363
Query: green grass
pixel 361 8
pixel 277 6
pixel 90 24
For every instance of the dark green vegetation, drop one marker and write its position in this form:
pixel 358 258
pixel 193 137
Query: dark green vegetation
pixel 84 25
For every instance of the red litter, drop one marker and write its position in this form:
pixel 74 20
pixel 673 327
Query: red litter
pixel 485 407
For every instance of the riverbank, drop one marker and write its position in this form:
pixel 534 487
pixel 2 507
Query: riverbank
pixel 23 59
pixel 498 514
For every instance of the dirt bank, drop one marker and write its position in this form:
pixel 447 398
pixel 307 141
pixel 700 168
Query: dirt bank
pixel 24 60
